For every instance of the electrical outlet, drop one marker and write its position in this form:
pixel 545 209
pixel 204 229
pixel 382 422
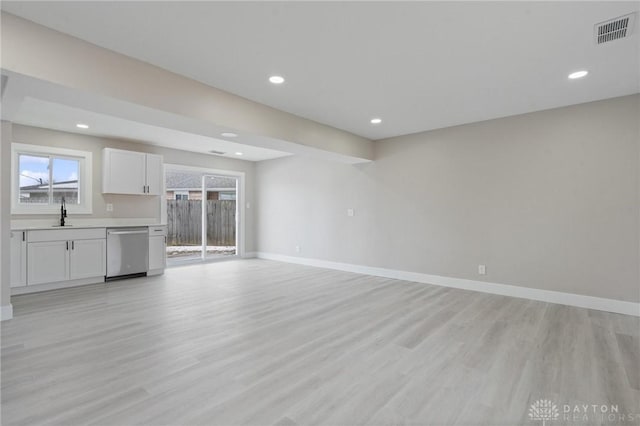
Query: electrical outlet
pixel 297 249
pixel 109 207
pixel 350 212
pixel 482 269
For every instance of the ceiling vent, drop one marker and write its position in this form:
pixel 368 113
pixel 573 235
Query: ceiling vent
pixel 213 151
pixel 614 29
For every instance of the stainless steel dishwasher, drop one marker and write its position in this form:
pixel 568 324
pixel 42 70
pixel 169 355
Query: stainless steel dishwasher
pixel 127 252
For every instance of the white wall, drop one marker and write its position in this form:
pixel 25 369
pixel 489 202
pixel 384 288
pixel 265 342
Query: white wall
pixel 5 227
pixel 548 200
pixel 133 206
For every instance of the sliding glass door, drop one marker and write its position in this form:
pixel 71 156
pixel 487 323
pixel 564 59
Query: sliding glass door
pixel 201 215
pixel 220 209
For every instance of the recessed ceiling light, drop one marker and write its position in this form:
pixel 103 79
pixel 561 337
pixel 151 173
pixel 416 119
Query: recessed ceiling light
pixel 276 79
pixel 578 74
pixel 238 153
pixel 376 120
pixel 82 126
pixel 229 135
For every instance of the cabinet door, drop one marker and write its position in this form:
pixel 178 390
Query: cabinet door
pixel 157 253
pixel 48 262
pixel 18 266
pixel 88 258
pixel 154 174
pixel 124 172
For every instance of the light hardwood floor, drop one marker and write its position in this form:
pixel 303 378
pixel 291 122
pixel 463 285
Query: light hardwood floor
pixel 264 343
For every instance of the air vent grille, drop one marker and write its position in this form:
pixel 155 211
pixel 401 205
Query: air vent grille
pixel 614 29
pixel 213 151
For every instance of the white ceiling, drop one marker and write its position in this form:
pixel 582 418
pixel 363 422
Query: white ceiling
pixel 418 65
pixel 50 115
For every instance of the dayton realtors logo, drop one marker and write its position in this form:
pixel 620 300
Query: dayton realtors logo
pixel 543 410
pixel 599 413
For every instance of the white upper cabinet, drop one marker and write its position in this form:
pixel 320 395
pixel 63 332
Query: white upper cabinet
pixel 154 174
pixel 123 172
pixel 130 172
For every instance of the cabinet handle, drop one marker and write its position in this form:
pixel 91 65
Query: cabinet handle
pixel 24 233
pixel 67 245
pixel 73 245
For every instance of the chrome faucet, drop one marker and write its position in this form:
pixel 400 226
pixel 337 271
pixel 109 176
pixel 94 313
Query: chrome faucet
pixel 63 212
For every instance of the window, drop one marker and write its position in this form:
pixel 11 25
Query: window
pixel 182 195
pixel 43 176
pixel 227 196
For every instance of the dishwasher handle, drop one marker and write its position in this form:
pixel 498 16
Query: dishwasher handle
pixel 127 232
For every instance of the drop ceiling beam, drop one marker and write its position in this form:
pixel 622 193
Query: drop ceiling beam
pixel 44 54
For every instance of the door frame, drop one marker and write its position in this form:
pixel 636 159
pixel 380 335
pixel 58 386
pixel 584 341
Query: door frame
pixel 240 199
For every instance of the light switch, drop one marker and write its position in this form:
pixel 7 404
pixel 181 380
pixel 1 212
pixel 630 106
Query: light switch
pixel 482 269
pixel 109 207
pixel 350 212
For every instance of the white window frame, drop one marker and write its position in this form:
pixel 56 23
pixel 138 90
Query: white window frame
pixel 85 184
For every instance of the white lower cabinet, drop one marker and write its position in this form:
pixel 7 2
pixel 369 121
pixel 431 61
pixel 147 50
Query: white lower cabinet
pixel 18 266
pixel 157 249
pixel 60 255
pixel 87 258
pixel 48 262
pixel 157 253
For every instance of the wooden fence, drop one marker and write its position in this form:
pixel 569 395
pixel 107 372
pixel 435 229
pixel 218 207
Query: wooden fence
pixel 184 220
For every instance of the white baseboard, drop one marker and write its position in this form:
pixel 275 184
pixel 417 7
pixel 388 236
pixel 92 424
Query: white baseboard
pixel 6 312
pixel 571 299
pixel 15 291
pixel 154 272
pixel 250 255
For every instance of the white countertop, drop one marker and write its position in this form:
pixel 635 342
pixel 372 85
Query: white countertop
pixel 73 223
